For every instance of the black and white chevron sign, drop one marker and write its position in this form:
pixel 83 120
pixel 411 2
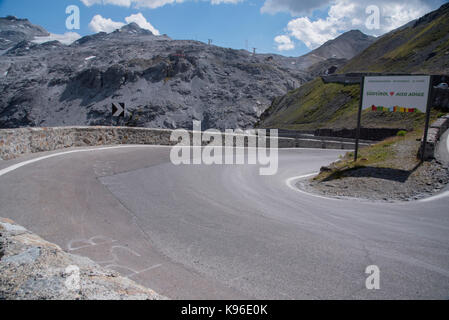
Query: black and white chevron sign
pixel 118 110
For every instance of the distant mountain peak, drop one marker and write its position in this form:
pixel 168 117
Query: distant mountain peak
pixel 342 48
pixel 346 45
pixel 165 83
pixel 353 35
pixel 420 45
pixel 12 18
pixel 14 30
pixel 134 28
pixel 354 31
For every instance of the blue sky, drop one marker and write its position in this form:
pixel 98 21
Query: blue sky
pixel 303 25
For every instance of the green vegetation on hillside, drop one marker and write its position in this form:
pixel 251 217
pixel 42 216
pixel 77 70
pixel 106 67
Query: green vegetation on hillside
pixel 319 105
pixel 381 155
pixel 421 47
pixel 399 152
pixel 314 102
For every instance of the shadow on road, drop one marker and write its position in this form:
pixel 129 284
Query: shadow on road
pixel 398 175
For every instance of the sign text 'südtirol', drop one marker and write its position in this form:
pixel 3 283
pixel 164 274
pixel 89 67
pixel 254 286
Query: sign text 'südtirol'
pixel 396 93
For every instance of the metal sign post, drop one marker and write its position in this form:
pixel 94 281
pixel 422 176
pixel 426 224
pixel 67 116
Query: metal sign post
pixel 118 111
pixel 359 118
pixel 428 109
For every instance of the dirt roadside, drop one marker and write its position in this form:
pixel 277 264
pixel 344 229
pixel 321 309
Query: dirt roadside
pixel 389 171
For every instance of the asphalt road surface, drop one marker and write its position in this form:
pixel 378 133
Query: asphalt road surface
pixel 225 232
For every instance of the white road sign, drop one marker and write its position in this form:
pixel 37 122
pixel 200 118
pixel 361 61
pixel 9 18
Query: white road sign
pixel 396 93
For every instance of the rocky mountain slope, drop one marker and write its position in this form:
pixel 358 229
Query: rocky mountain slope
pixel 13 30
pixel 421 46
pixel 164 83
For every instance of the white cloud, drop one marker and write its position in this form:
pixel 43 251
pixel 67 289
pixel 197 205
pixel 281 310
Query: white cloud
pixel 152 4
pixel 398 14
pixel 284 43
pixel 121 3
pixel 100 24
pixel 142 22
pixel 312 33
pixel 66 38
pixel 89 3
pixel 225 1
pixel 294 7
pixel 344 15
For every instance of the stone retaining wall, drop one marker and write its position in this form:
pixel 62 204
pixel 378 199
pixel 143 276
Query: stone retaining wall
pixel 343 79
pixel 436 130
pixel 15 142
pixel 310 134
pixel 376 134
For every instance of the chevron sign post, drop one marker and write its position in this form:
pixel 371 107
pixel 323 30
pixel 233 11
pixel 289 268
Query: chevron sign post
pixel 118 110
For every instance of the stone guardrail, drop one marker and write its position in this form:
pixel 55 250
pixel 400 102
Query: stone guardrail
pixel 310 134
pixel 436 130
pixel 366 134
pixel 15 142
pixel 342 79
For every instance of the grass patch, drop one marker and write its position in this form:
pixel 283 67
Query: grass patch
pixel 384 154
pixel 331 105
pixel 313 105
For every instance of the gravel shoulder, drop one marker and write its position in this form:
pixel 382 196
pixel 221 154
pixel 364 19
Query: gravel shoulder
pixel 398 175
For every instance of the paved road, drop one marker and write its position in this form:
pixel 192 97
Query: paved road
pixel 213 232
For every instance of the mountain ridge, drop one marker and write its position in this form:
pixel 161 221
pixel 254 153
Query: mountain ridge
pixel 420 46
pixel 164 83
pixel 338 50
pixel 14 30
